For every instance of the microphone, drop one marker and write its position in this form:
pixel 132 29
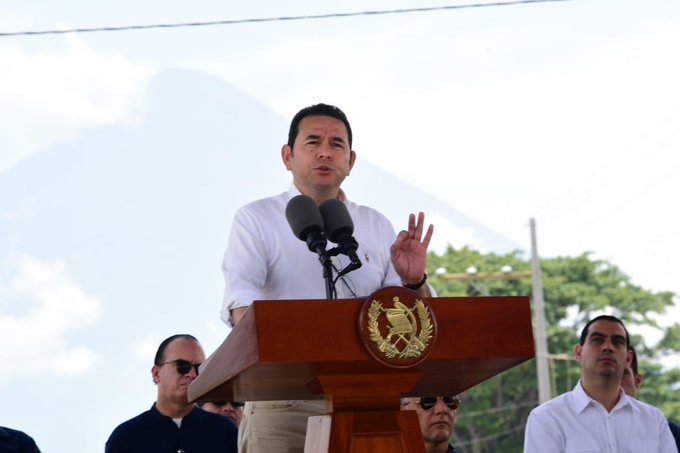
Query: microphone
pixel 306 222
pixel 339 227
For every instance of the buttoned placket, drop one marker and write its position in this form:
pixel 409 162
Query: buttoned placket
pixel 611 433
pixel 611 419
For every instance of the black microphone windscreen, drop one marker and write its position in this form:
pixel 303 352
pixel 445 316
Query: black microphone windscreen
pixel 303 216
pixel 336 219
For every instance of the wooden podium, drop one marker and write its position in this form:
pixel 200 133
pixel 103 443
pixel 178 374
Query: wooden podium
pixel 305 349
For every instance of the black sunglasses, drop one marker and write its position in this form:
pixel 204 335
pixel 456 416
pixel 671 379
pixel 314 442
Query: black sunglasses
pixel 234 404
pixel 183 366
pixel 426 403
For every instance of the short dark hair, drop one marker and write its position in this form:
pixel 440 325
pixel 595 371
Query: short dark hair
pixel 634 362
pixel 318 110
pixel 584 332
pixel 160 354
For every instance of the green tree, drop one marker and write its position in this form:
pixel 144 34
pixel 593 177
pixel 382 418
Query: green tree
pixel 493 414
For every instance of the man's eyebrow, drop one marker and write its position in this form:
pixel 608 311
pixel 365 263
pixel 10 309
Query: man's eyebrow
pixel 335 139
pixel 616 336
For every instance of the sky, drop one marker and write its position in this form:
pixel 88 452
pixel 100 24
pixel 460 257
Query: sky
pixel 567 112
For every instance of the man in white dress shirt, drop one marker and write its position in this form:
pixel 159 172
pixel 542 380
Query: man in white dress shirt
pixel 264 259
pixel 598 416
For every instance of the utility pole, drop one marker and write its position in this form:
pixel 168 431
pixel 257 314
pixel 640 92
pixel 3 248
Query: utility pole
pixel 540 336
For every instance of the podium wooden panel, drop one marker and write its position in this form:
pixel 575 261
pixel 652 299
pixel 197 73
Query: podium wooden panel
pixel 302 349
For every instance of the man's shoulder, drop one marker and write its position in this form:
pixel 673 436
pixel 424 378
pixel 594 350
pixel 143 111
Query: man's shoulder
pixel 363 212
pixel 264 204
pixel 13 438
pixel 210 427
pixel 144 417
pixel 647 410
pixel 554 405
pixel 132 431
pixel 9 432
pixel 208 418
pixel 261 212
pixel 675 431
pixel 352 206
pixel 675 426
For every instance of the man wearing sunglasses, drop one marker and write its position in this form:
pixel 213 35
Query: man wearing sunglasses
pixel 233 410
pixel 437 418
pixel 173 424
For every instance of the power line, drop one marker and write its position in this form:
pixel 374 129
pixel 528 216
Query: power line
pixel 638 193
pixel 274 19
pixel 581 189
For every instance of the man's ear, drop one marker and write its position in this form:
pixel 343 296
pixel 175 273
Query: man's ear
pixel 352 159
pixel 637 379
pixel 577 352
pixel 286 155
pixel 155 374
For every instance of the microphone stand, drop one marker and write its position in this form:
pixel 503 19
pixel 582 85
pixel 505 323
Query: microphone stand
pixel 327 264
pixel 317 243
pixel 354 264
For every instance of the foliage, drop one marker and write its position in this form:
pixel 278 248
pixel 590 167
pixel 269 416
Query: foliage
pixel 493 413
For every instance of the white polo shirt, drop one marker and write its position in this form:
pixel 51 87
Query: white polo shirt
pixel 265 261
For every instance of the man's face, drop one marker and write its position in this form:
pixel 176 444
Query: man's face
pixel 605 352
pixel 173 386
pixel 631 382
pixel 436 424
pixel 234 413
pixel 321 157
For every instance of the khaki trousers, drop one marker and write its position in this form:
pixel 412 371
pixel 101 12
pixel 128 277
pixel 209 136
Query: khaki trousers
pixel 277 426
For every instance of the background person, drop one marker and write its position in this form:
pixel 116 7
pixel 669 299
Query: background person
pixel 15 441
pixel 598 415
pixel 631 382
pixel 231 409
pixel 173 424
pixel 437 418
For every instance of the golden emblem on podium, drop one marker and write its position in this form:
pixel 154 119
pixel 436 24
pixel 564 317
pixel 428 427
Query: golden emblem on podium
pixel 397 326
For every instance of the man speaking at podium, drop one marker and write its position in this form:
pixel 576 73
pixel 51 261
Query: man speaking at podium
pixel 266 261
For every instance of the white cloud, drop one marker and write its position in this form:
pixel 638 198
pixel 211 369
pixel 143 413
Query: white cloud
pixel 448 233
pixel 213 335
pixel 26 210
pixel 75 361
pixel 42 307
pixel 60 89
pixel 146 349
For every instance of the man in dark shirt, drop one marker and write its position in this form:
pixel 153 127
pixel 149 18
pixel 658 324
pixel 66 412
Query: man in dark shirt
pixel 233 410
pixel 173 424
pixel 13 441
pixel 437 417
